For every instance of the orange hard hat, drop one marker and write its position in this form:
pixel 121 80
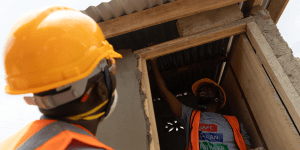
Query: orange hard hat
pixel 207 80
pixel 51 47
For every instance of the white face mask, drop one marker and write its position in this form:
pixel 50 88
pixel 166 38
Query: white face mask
pixel 114 104
pixel 76 90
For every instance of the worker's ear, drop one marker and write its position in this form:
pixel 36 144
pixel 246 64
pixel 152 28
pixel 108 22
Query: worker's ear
pixel 101 87
pixel 101 90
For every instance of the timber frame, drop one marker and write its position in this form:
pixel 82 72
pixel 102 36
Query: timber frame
pixel 268 80
pixel 160 14
pixel 184 8
pixel 172 46
pixel 274 118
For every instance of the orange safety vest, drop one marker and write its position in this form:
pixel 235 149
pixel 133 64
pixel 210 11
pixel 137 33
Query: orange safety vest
pixel 194 126
pixel 50 134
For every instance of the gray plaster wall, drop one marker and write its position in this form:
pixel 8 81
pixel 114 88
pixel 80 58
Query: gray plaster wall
pixel 125 128
pixel 282 51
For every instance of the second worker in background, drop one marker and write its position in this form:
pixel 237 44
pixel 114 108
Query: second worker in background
pixel 205 129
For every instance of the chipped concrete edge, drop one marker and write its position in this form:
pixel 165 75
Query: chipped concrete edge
pixel 283 53
pixel 143 98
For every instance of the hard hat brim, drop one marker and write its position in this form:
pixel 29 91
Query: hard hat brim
pixel 107 55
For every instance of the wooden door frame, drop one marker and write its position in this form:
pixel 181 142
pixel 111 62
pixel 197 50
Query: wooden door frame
pixel 172 46
pixel 258 42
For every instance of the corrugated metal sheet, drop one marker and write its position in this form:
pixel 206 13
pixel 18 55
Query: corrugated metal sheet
pixel 180 82
pixel 145 37
pixel 177 83
pixel 116 8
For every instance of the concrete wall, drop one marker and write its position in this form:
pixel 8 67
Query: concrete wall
pixel 282 51
pixel 126 126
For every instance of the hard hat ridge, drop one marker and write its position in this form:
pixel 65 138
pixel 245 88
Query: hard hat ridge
pixel 61 46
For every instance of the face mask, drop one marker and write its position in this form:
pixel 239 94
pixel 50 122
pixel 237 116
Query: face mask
pixel 114 104
pixel 89 115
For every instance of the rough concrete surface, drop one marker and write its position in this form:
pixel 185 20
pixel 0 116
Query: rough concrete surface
pixel 142 98
pixel 126 127
pixel 282 51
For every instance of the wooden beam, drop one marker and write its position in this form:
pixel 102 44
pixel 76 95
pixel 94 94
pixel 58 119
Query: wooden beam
pixel 160 14
pixel 235 99
pixel 276 9
pixel 207 36
pixel 148 105
pixel 232 49
pixel 209 19
pixel 275 125
pixel 283 85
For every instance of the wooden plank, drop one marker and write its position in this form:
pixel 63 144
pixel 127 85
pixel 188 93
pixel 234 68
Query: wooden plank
pixel 274 123
pixel 207 20
pixel 207 36
pixel 283 85
pixel 231 51
pixel 160 14
pixel 148 105
pixel 236 100
pixel 276 9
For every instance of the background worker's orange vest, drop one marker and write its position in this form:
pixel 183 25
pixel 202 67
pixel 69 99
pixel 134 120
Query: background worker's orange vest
pixel 194 126
pixel 50 134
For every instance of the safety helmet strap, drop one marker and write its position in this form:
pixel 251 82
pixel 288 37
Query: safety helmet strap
pixel 109 87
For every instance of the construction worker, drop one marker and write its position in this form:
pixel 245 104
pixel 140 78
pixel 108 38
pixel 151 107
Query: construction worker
pixel 61 56
pixel 205 129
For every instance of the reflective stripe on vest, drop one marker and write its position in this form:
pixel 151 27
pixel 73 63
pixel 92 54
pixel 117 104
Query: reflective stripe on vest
pixel 52 134
pixel 49 132
pixel 194 128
